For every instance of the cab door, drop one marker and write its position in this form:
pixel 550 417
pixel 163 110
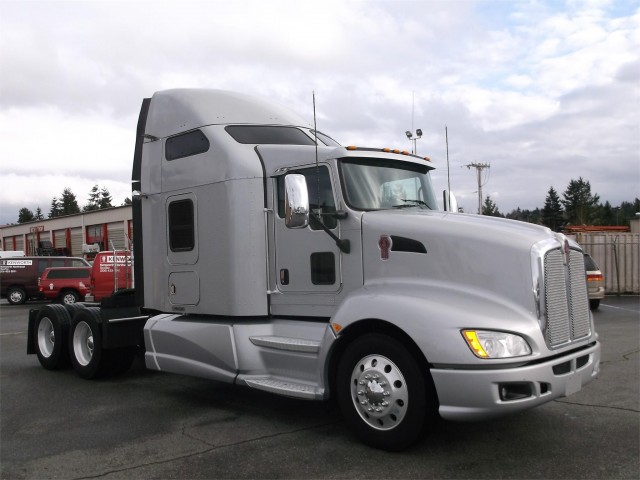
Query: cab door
pixel 307 259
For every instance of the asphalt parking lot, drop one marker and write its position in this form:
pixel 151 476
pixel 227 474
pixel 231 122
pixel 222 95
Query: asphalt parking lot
pixel 154 425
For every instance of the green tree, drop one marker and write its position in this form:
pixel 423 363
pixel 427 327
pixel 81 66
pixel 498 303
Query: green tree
pixel 579 203
pixel 105 198
pixel 25 215
pixel 39 215
pixel 93 202
pixel 68 203
pixel 54 210
pixel 606 214
pixel 490 208
pixel 127 201
pixel 552 214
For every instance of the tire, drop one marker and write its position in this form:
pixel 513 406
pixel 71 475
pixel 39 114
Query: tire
pixel 51 330
pixel 69 297
pixel 594 304
pixel 385 395
pixel 72 308
pixel 16 295
pixel 85 344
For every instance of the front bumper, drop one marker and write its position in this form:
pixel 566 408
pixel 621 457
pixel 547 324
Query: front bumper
pixel 466 394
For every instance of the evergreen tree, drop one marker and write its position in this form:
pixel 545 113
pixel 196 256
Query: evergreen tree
pixel 127 201
pixel 68 203
pixel 54 211
pixel 39 215
pixel 579 203
pixel 606 214
pixel 25 215
pixel 490 208
pixel 552 214
pixel 105 198
pixel 93 202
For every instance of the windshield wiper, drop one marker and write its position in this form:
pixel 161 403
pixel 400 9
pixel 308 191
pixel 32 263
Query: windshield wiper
pixel 412 203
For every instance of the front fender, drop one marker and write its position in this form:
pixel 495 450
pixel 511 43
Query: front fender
pixel 433 314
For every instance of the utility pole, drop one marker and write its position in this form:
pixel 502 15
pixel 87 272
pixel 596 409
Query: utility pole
pixel 479 167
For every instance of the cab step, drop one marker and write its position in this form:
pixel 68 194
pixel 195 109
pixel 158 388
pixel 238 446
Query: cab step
pixel 282 387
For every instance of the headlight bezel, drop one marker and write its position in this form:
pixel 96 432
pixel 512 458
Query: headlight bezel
pixel 495 344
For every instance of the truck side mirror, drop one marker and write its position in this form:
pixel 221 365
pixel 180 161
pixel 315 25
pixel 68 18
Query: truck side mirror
pixel 296 201
pixel 449 201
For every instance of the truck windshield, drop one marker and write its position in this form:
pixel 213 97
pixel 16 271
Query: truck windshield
pixel 379 184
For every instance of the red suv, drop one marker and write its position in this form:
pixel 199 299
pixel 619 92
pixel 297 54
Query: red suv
pixel 66 284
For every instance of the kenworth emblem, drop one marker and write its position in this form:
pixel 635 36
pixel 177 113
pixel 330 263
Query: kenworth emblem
pixel 384 243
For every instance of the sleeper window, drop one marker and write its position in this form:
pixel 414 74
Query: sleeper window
pixel 181 226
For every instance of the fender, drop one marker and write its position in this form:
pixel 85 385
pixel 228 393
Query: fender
pixel 433 314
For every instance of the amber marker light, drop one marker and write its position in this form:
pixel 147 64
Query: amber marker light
pixel 352 147
pixel 336 327
pixel 472 339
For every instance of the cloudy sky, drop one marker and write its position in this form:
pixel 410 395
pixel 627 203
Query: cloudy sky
pixel 544 91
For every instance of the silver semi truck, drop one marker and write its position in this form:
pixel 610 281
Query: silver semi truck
pixel 269 256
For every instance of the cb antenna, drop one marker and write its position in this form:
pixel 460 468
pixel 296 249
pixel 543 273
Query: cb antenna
pixel 315 134
pixel 446 139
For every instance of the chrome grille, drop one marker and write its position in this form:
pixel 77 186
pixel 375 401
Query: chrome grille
pixel 566 302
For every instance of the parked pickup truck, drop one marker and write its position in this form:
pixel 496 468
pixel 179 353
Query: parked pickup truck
pixel 269 256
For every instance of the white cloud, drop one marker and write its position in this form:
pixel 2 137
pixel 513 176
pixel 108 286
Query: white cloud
pixel 545 91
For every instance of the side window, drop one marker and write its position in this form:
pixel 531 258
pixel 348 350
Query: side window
pixel 321 200
pixel 57 263
pixel 42 264
pixel 181 226
pixel 78 263
pixel 186 145
pixel 323 268
pixel 71 273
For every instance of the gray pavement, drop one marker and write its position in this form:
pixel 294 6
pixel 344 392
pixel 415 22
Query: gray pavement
pixel 155 425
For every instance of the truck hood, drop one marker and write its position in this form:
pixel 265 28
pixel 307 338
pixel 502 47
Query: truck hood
pixel 484 256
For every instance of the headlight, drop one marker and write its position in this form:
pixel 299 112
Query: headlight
pixel 489 344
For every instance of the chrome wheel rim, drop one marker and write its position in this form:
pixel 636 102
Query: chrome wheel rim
pixel 16 296
pixel 83 343
pixel 46 337
pixel 379 392
pixel 69 298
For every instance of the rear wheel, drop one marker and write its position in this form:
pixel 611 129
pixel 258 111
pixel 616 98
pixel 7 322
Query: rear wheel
pixel 385 395
pixel 594 304
pixel 88 357
pixel 16 295
pixel 69 297
pixel 85 343
pixel 51 327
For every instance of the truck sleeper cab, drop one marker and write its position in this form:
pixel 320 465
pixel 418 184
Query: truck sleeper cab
pixel 271 257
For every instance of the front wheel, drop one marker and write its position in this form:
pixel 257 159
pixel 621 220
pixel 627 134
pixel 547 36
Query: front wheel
pixel 16 296
pixel 384 393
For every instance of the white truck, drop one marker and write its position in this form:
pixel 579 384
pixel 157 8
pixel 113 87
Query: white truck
pixel 269 256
